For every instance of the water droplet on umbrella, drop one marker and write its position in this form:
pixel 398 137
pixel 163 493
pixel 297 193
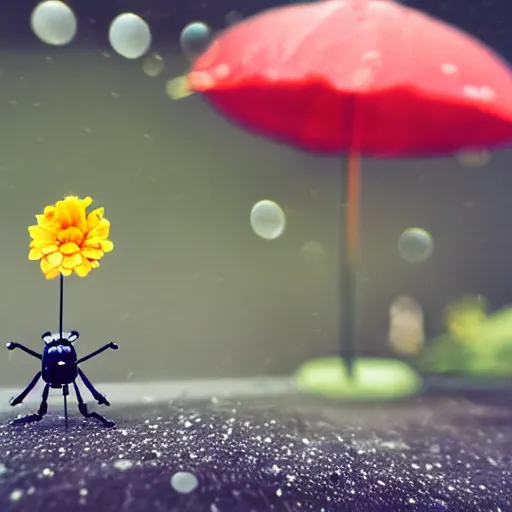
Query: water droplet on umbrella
pixel 195 38
pixel 484 94
pixel 53 22
pixel 129 36
pixel 153 65
pixel 449 69
pixel 268 220
pixel 364 76
pixel 415 245
pixel 184 482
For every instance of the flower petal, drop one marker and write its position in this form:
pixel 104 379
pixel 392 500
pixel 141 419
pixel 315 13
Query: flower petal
pixel 46 266
pixel 101 230
pixel 48 249
pixel 66 272
pixel 94 217
pixel 38 244
pixel 52 274
pixel 49 213
pixel 71 262
pixel 106 245
pixel 69 248
pixel 71 234
pixel 71 212
pixel 55 259
pixel 41 233
pixel 92 254
pixel 99 243
pixel 35 254
pixel 82 270
pixel 93 243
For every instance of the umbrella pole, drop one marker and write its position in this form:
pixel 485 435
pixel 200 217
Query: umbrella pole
pixel 348 277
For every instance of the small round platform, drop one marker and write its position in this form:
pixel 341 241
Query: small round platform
pixel 374 379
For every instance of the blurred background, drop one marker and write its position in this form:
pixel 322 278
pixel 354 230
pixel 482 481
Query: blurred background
pixel 190 290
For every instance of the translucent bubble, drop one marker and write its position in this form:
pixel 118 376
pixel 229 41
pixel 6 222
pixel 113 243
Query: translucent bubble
pixel 268 220
pixel 233 17
pixel 184 482
pixel 129 36
pixel 195 38
pixel 53 22
pixel 406 326
pixel 153 65
pixel 415 245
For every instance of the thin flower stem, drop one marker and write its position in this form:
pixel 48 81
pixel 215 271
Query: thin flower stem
pixel 61 304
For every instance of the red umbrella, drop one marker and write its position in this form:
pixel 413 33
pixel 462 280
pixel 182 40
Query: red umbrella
pixel 363 77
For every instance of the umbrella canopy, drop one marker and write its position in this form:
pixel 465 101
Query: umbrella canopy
pixel 366 76
pixel 362 77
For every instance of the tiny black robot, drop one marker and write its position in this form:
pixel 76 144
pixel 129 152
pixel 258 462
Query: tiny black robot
pixel 59 370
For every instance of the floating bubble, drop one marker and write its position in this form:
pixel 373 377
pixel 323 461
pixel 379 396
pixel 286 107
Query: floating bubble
pixel 233 17
pixel 406 326
pixel 53 22
pixel 268 220
pixel 195 38
pixel 129 35
pixel 184 482
pixel 415 245
pixel 178 88
pixel 153 65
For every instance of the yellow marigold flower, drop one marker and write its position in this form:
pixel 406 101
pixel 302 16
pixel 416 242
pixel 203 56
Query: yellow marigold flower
pixel 67 239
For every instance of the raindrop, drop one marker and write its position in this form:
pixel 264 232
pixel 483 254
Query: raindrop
pixel 129 36
pixel 53 22
pixel 233 17
pixel 195 38
pixel 153 65
pixel 415 245
pixel 184 482
pixel 268 220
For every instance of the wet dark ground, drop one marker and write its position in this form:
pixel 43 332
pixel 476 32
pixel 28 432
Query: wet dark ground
pixel 283 454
